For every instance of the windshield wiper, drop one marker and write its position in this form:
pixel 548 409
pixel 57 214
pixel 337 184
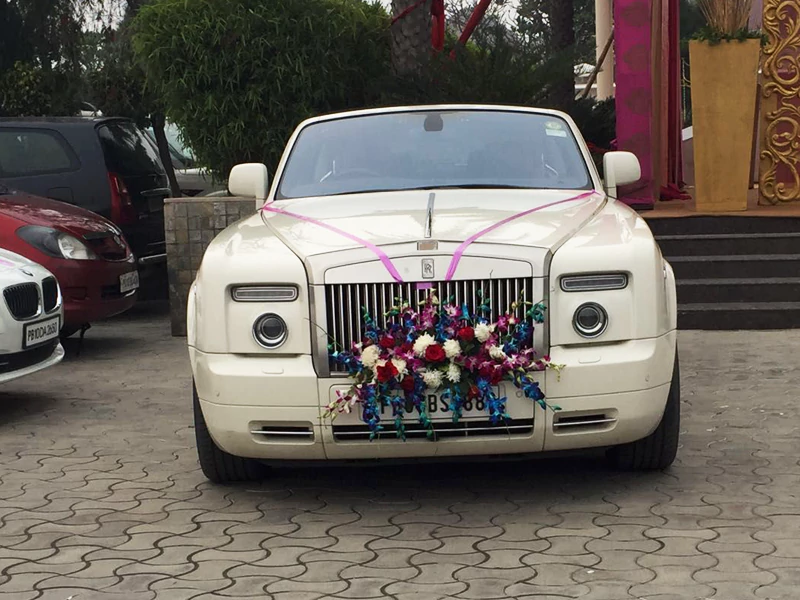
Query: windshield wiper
pixel 489 186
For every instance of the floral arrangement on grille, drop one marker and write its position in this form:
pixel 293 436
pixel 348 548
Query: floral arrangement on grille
pixel 444 348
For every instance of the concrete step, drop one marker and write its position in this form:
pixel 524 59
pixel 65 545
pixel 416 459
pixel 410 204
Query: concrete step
pixel 762 289
pixel 703 225
pixel 732 316
pixel 729 243
pixel 736 266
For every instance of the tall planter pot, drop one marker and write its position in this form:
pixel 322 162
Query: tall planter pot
pixel 724 82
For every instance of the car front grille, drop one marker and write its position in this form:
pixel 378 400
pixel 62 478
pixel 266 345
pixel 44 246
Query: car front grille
pixel 443 430
pixel 22 300
pixel 26 358
pixel 49 293
pixel 344 302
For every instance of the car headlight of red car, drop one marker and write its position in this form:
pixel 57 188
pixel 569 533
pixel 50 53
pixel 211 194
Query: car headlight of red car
pixel 55 243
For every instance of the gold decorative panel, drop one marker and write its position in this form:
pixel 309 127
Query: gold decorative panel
pixel 779 172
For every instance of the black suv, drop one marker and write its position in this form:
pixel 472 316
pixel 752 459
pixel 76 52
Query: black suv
pixel 106 165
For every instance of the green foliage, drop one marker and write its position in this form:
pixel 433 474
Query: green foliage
pixel 533 23
pixel 497 72
pixel 238 75
pixel 27 90
pixel 596 120
pixel 117 82
pixel 715 37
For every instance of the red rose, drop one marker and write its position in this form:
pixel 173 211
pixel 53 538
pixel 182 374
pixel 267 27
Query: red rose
pixel 407 347
pixel 434 353
pixel 386 372
pixel 408 383
pixel 466 334
pixel 386 342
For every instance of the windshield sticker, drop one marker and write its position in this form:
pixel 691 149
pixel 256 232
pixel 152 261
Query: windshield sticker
pixel 555 129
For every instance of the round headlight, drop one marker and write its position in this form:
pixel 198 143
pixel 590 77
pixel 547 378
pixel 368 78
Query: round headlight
pixel 269 330
pixel 590 320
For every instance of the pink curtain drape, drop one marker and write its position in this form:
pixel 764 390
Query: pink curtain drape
pixel 649 114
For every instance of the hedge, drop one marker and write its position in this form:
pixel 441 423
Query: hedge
pixel 238 75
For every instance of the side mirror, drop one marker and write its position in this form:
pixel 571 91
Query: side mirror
pixel 250 180
pixel 620 168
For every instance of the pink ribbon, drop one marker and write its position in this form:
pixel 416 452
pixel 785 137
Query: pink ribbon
pixel 6 263
pixel 387 262
pixel 460 250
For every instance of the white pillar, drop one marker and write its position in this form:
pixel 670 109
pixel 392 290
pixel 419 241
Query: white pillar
pixel 603 24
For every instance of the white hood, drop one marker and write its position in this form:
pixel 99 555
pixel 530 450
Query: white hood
pixel 10 260
pixel 399 217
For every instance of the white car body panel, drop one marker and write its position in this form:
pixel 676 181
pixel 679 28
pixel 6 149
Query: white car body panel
pixel 14 270
pixel 624 374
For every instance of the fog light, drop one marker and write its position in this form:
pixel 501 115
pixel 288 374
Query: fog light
pixel 269 330
pixel 590 320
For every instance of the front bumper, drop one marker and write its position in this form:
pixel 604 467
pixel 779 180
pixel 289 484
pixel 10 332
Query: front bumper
pixel 55 357
pixel 91 290
pixel 269 407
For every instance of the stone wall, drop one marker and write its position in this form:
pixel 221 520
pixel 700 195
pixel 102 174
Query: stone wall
pixel 190 224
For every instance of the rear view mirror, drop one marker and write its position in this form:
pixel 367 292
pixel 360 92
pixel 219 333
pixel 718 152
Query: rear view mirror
pixel 249 180
pixel 620 168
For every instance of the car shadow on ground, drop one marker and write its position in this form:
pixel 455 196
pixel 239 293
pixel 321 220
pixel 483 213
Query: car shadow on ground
pixel 18 406
pixel 541 476
pixel 100 340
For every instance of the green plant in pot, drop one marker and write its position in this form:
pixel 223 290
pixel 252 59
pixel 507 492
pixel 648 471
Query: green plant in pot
pixel 724 59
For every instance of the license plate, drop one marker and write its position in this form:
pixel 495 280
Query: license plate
pixel 438 409
pixel 128 282
pixel 40 332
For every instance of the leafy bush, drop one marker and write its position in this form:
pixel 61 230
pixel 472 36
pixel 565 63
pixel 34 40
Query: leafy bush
pixel 238 75
pixel 30 91
pixel 499 72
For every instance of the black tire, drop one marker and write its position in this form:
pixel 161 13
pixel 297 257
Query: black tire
pixel 657 450
pixel 217 465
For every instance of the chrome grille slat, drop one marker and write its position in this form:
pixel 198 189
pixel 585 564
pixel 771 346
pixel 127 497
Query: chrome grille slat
pixel 344 302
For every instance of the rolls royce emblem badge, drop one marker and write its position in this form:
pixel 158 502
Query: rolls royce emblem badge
pixel 427 268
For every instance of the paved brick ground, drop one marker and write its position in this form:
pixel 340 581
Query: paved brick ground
pixel 101 497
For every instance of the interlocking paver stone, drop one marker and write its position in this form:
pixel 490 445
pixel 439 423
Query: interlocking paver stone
pixel 102 498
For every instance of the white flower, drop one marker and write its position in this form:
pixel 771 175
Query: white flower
pixel 432 379
pixel 370 355
pixel 422 343
pixel 483 331
pixel 496 352
pixel 400 365
pixel 452 348
pixel 454 373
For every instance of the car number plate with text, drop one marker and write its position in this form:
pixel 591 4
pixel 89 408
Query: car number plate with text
pixel 40 332
pixel 128 282
pixel 438 409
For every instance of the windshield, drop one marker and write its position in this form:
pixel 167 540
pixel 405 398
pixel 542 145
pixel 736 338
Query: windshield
pixel 427 150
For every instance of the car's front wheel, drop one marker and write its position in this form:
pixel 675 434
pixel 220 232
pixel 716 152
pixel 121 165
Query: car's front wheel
pixel 218 465
pixel 657 450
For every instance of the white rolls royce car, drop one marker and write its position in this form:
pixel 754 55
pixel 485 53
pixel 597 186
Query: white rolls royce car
pixel 434 281
pixel 30 317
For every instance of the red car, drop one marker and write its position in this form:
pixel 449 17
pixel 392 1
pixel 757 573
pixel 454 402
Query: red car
pixel 87 253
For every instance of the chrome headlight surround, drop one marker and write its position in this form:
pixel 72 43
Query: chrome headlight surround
pixel 590 310
pixel 270 331
pixel 593 282
pixel 264 293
